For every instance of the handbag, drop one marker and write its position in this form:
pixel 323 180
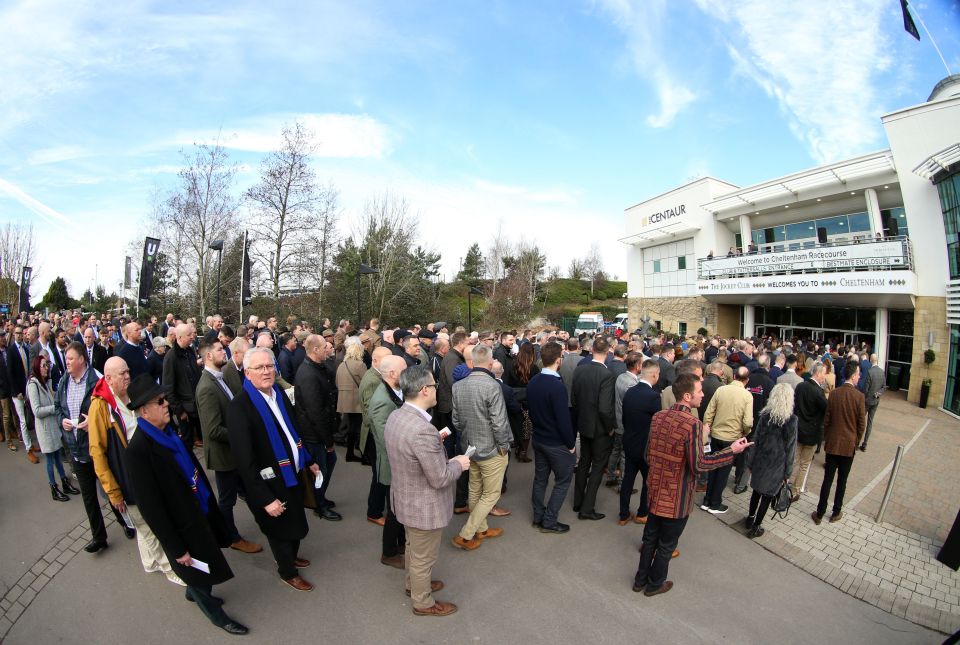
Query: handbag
pixel 782 501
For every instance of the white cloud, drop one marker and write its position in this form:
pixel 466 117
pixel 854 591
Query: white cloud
pixel 820 60
pixel 56 155
pixel 34 205
pixel 642 22
pixel 536 195
pixel 336 135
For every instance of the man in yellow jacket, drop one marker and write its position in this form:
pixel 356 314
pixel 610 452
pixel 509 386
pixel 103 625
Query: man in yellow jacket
pixel 111 425
pixel 729 417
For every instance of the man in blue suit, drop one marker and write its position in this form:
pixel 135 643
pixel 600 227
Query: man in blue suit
pixel 131 351
pixel 640 403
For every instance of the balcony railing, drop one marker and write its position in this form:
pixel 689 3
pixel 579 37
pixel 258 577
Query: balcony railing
pixel 781 258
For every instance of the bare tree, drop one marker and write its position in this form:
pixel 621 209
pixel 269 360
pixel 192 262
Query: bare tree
pixel 593 265
pixel 283 203
pixel 18 248
pixel 322 238
pixel 498 250
pixel 576 270
pixel 199 211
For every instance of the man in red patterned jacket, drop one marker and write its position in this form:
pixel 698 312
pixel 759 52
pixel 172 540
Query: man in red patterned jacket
pixel 675 456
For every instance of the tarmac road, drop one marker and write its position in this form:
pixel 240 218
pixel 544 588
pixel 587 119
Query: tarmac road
pixel 524 587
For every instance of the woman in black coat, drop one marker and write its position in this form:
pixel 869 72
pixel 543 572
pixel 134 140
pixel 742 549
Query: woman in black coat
pixel 172 506
pixel 775 443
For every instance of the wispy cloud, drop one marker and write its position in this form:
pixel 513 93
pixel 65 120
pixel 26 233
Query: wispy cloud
pixel 56 155
pixel 336 135
pixel 821 65
pixel 642 22
pixel 537 195
pixel 34 205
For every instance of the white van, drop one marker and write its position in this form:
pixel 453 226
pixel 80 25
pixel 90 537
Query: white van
pixel 620 322
pixel 589 322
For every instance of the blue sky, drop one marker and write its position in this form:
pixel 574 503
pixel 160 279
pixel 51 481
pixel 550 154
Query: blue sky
pixel 551 117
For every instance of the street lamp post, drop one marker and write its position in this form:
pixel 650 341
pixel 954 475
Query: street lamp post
pixel 363 269
pixel 218 247
pixel 472 291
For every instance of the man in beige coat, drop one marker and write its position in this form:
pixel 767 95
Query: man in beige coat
pixel 729 417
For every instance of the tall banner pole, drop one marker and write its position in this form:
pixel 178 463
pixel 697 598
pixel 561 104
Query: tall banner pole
pixel 150 247
pixel 243 272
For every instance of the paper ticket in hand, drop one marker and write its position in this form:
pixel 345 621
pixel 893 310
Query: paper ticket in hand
pixel 200 565
pixel 127 520
pixel 318 482
pixel 444 433
pixel 470 451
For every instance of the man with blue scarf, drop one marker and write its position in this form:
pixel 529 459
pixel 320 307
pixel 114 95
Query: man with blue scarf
pixel 269 455
pixel 174 498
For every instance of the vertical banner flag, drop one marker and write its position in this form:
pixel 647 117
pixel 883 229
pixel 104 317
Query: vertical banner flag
pixel 127 272
pixel 24 302
pixel 245 297
pixel 150 247
pixel 908 23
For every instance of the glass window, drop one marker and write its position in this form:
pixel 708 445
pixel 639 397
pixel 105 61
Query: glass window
pixel 898 215
pixel 835 225
pixel 866 320
pixel 777 316
pixel 840 319
pixel 808 317
pixel 801 231
pixel 900 349
pixel 951 398
pixel 859 222
pixel 759 314
pixel 682 328
pixel 949 190
pixel 682 262
pixel 656 266
pixel 901 323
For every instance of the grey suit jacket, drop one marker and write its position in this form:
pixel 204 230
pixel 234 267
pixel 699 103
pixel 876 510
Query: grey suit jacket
pixel 423 480
pixel 479 412
pixel 876 383
pixel 567 367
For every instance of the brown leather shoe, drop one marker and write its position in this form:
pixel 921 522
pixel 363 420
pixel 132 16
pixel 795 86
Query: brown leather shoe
pixel 197 444
pixel 301 563
pixel 435 586
pixel 466 545
pixel 640 519
pixel 379 521
pixel 675 554
pixel 439 608
pixel 499 512
pixel 34 448
pixel 489 533
pixel 33 458
pixel 12 447
pixel 395 561
pixel 299 584
pixel 816 518
pixel 664 588
pixel 625 520
pixel 836 517
pixel 461 510
pixel 245 546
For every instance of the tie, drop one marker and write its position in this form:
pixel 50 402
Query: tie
pixel 23 359
pixel 90 356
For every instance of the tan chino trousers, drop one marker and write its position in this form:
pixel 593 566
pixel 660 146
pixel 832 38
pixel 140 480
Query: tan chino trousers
pixel 423 548
pixel 486 480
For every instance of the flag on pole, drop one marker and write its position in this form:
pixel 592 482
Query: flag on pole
pixel 150 247
pixel 245 297
pixel 127 272
pixel 24 302
pixel 908 23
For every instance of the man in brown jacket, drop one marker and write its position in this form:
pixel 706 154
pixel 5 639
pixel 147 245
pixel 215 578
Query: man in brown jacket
pixel 843 428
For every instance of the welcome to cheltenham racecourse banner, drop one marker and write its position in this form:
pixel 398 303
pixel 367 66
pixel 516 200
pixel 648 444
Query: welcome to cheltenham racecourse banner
pixel 150 247
pixel 869 254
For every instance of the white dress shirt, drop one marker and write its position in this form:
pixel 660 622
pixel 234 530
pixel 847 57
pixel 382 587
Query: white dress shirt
pixel 271 400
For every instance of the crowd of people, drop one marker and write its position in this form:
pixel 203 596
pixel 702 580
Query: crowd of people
pixel 438 415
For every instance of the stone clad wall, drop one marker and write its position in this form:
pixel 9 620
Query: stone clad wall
pixel 930 315
pixel 670 311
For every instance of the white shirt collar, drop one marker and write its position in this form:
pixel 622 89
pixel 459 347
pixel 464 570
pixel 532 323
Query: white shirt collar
pixel 423 413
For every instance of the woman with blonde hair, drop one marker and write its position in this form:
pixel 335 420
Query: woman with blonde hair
pixel 775 444
pixel 349 373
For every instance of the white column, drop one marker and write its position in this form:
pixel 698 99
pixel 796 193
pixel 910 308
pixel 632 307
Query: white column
pixel 873 209
pixel 883 337
pixel 749 320
pixel 745 231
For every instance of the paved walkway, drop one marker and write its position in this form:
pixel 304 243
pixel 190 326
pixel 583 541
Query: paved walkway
pixel 522 587
pixel 891 565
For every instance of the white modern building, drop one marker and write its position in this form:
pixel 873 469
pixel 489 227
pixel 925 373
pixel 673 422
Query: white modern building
pixel 862 250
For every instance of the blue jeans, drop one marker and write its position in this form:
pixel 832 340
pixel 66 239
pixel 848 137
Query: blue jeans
pixel 326 461
pixel 559 461
pixel 53 458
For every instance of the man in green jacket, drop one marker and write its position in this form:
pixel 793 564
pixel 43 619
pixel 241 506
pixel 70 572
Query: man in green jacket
pixel 376 499
pixel 213 396
pixel 385 400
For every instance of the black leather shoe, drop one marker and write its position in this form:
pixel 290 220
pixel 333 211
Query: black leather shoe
pixel 863 448
pixel 591 516
pixel 739 489
pixel 329 514
pixel 537 525
pixel 94 546
pixel 235 628
pixel 69 488
pixel 576 509
pixel 129 532
pixel 559 527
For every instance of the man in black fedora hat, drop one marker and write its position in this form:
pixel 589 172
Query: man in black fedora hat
pixel 176 501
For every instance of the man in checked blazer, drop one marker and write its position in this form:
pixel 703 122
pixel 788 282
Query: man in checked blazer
pixel 422 486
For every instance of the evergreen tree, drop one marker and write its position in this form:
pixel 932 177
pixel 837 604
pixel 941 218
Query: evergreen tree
pixel 473 269
pixel 57 296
